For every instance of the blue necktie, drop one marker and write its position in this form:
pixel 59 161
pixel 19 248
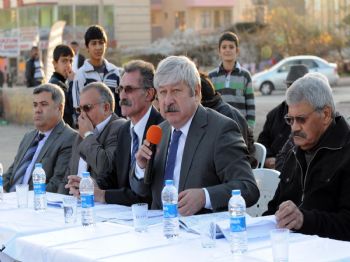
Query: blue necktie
pixel 135 147
pixel 27 159
pixel 170 163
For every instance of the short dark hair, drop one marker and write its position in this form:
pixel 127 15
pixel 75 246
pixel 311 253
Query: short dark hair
pixel 74 43
pixel 229 36
pixel 62 50
pixel 95 32
pixel 207 87
pixel 56 92
pixel 146 70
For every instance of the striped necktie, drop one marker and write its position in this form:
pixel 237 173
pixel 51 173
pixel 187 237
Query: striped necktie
pixel 170 163
pixel 26 160
pixel 135 147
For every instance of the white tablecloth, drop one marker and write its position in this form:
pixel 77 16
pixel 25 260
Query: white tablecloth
pixel 31 236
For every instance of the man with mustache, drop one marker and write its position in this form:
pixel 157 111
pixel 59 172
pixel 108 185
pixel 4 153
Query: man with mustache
pixel 136 95
pixel 313 195
pixel 201 150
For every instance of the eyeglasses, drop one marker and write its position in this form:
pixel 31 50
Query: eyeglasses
pixel 301 119
pixel 86 108
pixel 127 89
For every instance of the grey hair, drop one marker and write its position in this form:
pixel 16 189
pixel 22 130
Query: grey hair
pixel 105 92
pixel 177 69
pixel 318 75
pixel 56 92
pixel 146 70
pixel 314 90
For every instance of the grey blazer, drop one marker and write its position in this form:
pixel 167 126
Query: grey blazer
pixel 214 157
pixel 98 152
pixel 117 183
pixel 54 156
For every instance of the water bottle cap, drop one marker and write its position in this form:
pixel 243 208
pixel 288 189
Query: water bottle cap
pixel 169 182
pixel 86 174
pixel 38 165
pixel 236 192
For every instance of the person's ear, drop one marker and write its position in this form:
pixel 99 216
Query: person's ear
pixel 151 92
pixel 327 112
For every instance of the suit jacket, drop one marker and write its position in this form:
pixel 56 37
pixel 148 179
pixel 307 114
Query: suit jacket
pixel 97 151
pixel 81 60
pixel 116 183
pixel 214 157
pixel 54 156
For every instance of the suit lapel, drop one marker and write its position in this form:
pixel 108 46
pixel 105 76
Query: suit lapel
pixel 194 137
pixel 166 129
pixel 123 147
pixel 75 155
pixel 23 150
pixel 51 139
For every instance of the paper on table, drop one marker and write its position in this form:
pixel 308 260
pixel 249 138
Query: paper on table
pixel 125 218
pixel 192 224
pixel 257 227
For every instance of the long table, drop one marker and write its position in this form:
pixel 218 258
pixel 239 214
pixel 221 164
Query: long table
pixel 31 236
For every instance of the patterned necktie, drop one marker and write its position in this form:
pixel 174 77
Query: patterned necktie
pixel 170 163
pixel 135 147
pixel 26 160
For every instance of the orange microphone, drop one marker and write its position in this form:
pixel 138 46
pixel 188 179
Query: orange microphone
pixel 153 135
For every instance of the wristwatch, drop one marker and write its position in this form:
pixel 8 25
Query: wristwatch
pixel 88 133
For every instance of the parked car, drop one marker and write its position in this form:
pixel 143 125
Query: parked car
pixel 274 78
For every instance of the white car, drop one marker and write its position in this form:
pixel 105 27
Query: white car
pixel 274 78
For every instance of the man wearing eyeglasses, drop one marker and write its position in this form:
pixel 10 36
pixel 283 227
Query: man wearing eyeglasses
pixel 95 147
pixel 136 93
pixel 276 132
pixel 313 195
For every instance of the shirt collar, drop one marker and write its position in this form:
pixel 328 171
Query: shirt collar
pixel 185 128
pixel 103 124
pixel 139 127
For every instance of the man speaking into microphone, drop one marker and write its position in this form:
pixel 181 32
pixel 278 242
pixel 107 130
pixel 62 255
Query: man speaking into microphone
pixel 201 150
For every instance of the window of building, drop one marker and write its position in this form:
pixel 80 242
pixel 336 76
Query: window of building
pixel 217 19
pixel 86 15
pixel 108 20
pixel 65 13
pixel 8 18
pixel 46 16
pixel 180 20
pixel 227 17
pixel 206 19
pixel 28 16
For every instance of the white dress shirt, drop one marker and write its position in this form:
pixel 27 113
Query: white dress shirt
pixel 139 128
pixel 139 173
pixel 41 143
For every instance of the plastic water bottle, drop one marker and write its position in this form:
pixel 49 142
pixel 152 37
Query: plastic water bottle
pixel 170 214
pixel 39 184
pixel 86 188
pixel 238 229
pixel 1 183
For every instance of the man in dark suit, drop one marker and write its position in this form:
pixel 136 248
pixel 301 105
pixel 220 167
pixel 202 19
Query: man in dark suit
pixel 78 59
pixel 94 148
pixel 201 150
pixel 136 95
pixel 50 144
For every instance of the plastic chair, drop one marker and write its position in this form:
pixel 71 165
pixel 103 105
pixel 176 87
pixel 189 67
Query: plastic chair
pixel 260 154
pixel 267 181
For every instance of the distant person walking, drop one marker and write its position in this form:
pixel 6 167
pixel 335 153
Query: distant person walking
pixel 231 80
pixel 34 69
pixel 78 59
pixel 2 79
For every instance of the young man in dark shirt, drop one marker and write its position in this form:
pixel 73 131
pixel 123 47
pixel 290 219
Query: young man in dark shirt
pixel 62 62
